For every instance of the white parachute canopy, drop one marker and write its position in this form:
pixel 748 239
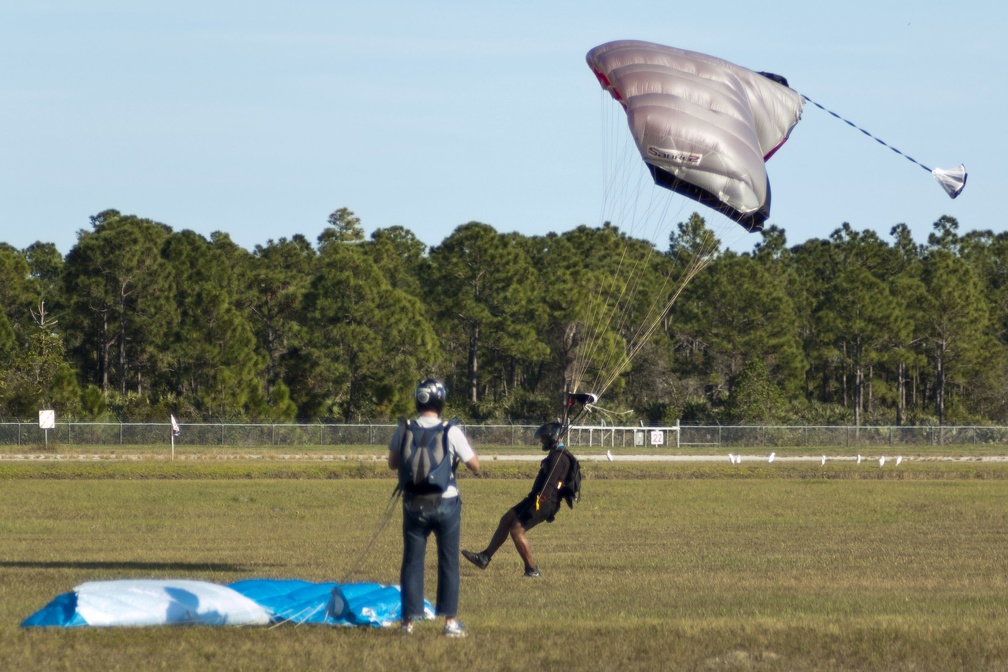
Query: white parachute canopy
pixel 705 127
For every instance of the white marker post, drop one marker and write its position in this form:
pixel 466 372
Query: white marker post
pixel 46 421
pixel 175 431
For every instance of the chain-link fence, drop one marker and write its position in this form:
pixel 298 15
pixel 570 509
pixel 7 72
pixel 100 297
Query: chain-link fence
pixel 784 436
pixel 322 434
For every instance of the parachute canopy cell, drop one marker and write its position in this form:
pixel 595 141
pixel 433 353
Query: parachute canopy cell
pixel 704 127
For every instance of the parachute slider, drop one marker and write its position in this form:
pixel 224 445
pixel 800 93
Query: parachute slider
pixel 572 399
pixel 583 398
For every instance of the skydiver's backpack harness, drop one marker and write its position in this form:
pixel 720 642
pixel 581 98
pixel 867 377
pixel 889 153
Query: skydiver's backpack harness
pixel 426 467
pixel 571 489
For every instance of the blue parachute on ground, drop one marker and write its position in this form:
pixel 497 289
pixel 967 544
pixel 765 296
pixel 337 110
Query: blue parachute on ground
pixel 150 602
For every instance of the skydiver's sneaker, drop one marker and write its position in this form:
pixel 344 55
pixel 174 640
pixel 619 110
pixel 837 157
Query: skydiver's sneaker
pixel 481 560
pixel 407 627
pixel 454 629
pixel 532 572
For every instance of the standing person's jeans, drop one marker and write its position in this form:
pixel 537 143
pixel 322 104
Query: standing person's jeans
pixel 444 520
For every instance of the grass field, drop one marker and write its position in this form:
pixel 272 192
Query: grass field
pixel 661 566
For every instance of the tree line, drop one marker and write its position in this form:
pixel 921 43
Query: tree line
pixel 138 321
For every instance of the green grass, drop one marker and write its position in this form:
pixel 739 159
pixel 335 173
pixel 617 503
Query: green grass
pixel 661 566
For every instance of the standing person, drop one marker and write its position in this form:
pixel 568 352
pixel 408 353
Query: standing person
pixel 542 503
pixel 426 451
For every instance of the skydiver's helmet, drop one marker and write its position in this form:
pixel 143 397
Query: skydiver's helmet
pixel 430 395
pixel 549 434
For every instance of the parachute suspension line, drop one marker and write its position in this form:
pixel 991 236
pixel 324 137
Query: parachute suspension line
pixel 616 362
pixel 878 140
pixel 386 515
pixel 616 188
pixel 301 617
pixel 653 314
pixel 607 311
pixel 611 414
pixel 655 317
pixel 610 310
pixel 618 318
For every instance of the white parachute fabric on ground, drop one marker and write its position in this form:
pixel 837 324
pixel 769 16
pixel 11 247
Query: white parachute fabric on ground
pixel 150 602
pixel 145 602
pixel 952 180
pixel 704 126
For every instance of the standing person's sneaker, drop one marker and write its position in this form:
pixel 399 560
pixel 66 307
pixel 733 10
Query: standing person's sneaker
pixel 532 572
pixel 454 629
pixel 481 559
pixel 407 627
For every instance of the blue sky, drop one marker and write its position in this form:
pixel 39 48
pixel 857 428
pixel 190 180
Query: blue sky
pixel 260 118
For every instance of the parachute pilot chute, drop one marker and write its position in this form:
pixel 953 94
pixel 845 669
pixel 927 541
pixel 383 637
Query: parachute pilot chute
pixel 952 180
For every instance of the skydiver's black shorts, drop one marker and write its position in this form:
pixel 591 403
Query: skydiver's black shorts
pixel 529 517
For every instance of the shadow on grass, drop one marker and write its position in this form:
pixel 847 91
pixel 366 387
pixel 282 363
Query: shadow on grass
pixel 128 565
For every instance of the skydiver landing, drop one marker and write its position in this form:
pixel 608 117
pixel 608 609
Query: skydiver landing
pixel 541 504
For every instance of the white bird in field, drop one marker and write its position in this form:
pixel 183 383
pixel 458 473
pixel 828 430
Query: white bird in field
pixel 608 455
pixel 859 459
pixel 881 461
pixel 898 460
pixel 772 456
pixel 731 458
pixel 824 460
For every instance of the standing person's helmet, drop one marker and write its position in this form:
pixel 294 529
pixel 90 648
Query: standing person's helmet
pixel 430 395
pixel 549 434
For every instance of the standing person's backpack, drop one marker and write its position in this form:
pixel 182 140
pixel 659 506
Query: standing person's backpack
pixel 571 490
pixel 425 465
